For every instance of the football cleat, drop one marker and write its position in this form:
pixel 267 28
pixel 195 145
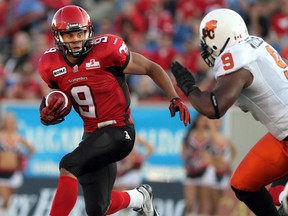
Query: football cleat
pixel 147 208
pixel 285 199
pixel 281 210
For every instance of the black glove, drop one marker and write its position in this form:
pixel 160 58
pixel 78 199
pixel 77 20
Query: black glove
pixel 177 105
pixel 51 114
pixel 185 80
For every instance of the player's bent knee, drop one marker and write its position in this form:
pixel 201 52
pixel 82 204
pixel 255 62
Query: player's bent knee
pixel 66 165
pixel 240 194
pixel 245 196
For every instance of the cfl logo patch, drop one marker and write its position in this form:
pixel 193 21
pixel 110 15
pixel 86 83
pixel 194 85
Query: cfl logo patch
pixel 127 136
pixel 123 48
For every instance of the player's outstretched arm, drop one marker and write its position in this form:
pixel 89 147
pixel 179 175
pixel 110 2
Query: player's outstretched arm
pixel 212 104
pixel 140 65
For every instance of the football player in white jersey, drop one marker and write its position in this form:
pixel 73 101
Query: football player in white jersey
pixel 251 74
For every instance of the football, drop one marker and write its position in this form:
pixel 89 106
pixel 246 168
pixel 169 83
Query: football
pixel 59 95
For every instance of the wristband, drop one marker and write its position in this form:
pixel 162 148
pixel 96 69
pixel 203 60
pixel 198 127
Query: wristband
pixel 215 104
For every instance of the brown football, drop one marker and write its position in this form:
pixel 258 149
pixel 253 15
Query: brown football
pixel 67 105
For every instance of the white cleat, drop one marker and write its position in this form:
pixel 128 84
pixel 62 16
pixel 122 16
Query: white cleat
pixel 147 208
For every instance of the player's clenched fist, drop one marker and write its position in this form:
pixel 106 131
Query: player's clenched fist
pixel 54 107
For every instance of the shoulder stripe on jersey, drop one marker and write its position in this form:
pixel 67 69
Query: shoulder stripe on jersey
pixel 126 61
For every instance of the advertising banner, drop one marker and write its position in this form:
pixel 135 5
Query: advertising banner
pixel 53 142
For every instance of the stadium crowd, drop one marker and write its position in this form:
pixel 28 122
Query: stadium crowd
pixel 162 30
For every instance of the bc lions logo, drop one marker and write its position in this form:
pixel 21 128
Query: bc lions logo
pixel 208 31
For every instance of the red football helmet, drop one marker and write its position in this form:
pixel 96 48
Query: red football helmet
pixel 68 19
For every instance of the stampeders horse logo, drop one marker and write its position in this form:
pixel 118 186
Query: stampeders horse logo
pixel 208 31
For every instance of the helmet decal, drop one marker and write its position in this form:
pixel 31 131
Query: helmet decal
pixel 208 31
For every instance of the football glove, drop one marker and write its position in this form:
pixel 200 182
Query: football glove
pixel 177 105
pixel 51 114
pixel 185 80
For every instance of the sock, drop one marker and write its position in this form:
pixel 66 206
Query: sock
pixel 65 196
pixel 136 200
pixel 119 200
pixel 275 192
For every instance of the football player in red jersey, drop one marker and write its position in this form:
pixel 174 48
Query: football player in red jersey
pixel 91 71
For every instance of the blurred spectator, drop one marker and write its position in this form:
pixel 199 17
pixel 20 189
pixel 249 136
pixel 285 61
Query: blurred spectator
pixel 99 10
pixel 279 25
pixel 128 21
pixel 18 55
pixel 55 5
pixel 4 39
pixel 159 20
pixel 14 151
pixel 22 15
pixel 105 26
pixel 190 9
pixel 242 7
pixel 199 171
pixel 279 20
pixel 26 87
pixel 3 10
pixel 40 43
pixel 183 31
pixel 3 83
pixel 223 153
pixel 165 52
pixel 259 18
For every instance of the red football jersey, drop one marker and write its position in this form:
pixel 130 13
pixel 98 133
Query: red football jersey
pixel 96 85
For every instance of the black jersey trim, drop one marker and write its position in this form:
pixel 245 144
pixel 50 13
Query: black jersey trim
pixel 126 62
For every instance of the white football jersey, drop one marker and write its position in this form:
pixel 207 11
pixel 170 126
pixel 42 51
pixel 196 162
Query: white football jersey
pixel 267 97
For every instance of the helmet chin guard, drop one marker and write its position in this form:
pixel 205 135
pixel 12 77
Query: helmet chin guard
pixel 72 18
pixel 220 29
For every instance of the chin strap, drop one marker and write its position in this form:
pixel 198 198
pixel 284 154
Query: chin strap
pixel 215 104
